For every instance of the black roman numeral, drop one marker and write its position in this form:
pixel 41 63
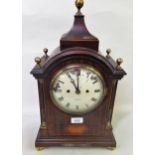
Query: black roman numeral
pixel 88 73
pixel 75 71
pixel 68 104
pixel 77 107
pixel 93 99
pixel 61 82
pixel 94 78
pixel 57 86
pixel 97 90
pixel 61 98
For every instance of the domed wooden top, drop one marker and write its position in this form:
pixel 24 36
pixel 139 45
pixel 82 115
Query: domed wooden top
pixel 79 36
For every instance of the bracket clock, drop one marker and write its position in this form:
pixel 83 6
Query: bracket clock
pixel 77 87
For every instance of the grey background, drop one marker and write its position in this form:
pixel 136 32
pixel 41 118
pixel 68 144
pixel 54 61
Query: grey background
pixel 44 21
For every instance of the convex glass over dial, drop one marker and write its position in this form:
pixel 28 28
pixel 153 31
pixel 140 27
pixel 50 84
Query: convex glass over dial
pixel 77 89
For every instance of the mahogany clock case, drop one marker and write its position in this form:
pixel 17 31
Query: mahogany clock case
pixel 79 47
pixel 56 127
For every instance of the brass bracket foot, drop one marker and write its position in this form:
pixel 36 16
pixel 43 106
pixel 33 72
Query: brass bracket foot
pixel 111 148
pixel 40 148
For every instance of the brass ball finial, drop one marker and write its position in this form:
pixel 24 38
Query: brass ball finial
pixel 108 51
pixel 79 4
pixel 38 60
pixel 119 61
pixel 45 50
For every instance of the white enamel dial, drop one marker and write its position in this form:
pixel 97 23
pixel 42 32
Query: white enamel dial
pixel 77 89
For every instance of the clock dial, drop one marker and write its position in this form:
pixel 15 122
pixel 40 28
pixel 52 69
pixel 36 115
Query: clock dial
pixel 77 89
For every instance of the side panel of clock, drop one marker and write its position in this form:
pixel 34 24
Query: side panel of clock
pixel 42 102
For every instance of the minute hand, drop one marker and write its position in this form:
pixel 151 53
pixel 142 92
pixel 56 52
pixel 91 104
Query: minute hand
pixel 72 81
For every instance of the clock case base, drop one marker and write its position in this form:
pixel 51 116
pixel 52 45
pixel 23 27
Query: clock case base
pixel 98 141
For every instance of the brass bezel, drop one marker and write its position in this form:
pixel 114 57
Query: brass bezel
pixel 85 66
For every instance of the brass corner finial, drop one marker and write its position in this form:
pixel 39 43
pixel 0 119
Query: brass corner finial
pixel 119 61
pixel 45 50
pixel 108 51
pixel 37 60
pixel 79 4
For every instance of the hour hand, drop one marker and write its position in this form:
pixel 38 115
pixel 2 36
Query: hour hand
pixel 77 76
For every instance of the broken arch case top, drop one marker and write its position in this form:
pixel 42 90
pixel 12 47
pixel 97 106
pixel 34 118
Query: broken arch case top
pixel 77 87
